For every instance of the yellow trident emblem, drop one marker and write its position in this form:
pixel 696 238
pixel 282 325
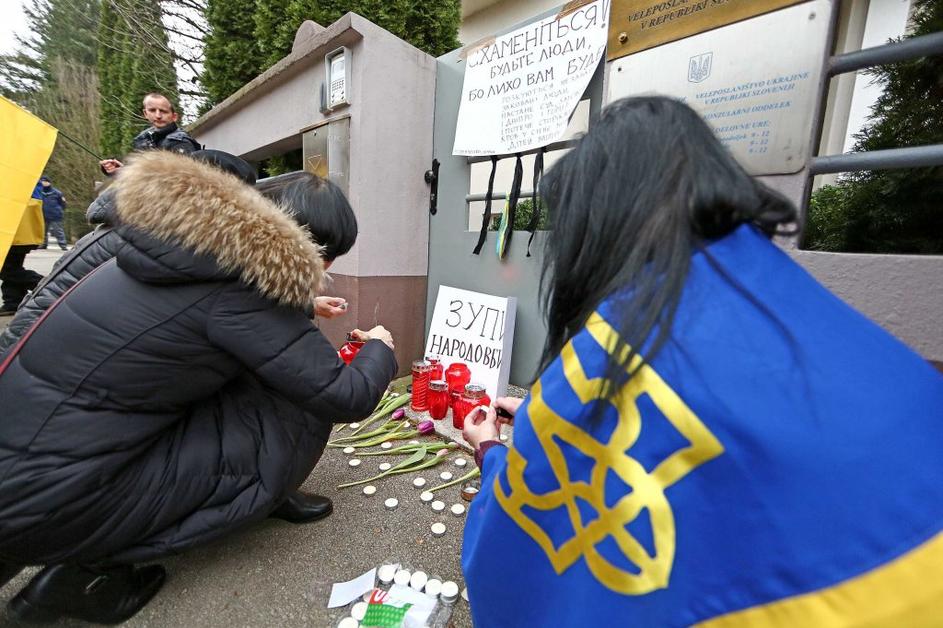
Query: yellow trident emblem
pixel 648 489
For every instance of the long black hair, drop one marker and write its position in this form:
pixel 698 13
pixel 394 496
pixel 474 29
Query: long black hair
pixel 317 204
pixel 644 190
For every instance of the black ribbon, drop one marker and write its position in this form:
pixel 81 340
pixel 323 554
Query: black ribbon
pixel 486 217
pixel 535 216
pixel 512 204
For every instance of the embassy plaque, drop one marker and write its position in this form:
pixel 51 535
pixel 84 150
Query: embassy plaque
pixel 755 82
pixel 636 25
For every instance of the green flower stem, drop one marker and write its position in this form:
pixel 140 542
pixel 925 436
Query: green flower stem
pixel 398 451
pixel 474 473
pixel 402 467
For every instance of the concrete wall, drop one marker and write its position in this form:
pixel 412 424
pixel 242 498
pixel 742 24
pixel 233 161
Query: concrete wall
pixel 392 96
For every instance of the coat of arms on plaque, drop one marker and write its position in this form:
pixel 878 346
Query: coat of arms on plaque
pixel 699 67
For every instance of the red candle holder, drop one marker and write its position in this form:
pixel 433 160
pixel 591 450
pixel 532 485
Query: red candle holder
pixel 421 372
pixel 438 399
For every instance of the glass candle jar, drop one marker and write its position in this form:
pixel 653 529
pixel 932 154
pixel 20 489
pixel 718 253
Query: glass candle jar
pixel 350 349
pixel 457 376
pixel 421 372
pixel 438 369
pixel 438 399
pixel 473 396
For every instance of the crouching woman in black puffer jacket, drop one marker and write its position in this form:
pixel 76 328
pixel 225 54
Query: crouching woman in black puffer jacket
pixel 177 393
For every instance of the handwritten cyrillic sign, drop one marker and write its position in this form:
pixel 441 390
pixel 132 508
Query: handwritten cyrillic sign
pixel 477 329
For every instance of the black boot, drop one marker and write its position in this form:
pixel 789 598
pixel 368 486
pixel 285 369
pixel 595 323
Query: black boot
pixel 108 595
pixel 301 508
pixel 7 572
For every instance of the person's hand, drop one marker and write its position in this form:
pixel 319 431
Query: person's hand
pixel 330 307
pixel 377 333
pixel 110 165
pixel 481 424
pixel 509 405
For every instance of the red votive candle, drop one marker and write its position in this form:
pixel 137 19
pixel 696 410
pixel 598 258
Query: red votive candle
pixel 473 396
pixel 457 376
pixel 438 369
pixel 421 371
pixel 438 399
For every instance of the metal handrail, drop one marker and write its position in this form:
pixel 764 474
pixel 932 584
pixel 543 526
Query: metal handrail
pixel 904 50
pixel 908 157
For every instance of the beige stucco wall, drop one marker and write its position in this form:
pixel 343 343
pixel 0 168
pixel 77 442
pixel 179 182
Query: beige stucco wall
pixel 392 105
pixel 484 18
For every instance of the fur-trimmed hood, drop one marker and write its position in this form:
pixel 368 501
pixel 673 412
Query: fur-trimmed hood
pixel 183 202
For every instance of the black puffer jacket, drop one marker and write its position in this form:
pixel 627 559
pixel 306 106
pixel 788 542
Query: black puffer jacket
pixel 90 252
pixel 181 390
pixel 170 137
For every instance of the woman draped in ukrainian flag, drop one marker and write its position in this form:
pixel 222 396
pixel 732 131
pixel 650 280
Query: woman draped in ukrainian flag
pixel 714 437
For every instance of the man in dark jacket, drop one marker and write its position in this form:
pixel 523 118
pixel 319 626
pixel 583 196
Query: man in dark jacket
pixel 163 134
pixel 53 213
pixel 191 395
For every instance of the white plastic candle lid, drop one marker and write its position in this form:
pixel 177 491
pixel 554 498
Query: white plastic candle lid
pixel 402 577
pixel 349 450
pixel 419 482
pixel 446 476
pixel 354 462
pixel 438 529
pixel 385 466
pixel 503 437
pixel 386 573
pixel 386 445
pixel 418 580
pixel 369 489
pixel 354 426
pixel 449 590
pixel 433 587
pixel 359 611
pixel 438 506
pixel 348 622
pixel 391 503
pixel 460 462
pixel 458 510
pixel 426 496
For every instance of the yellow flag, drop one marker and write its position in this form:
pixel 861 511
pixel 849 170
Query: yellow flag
pixel 25 145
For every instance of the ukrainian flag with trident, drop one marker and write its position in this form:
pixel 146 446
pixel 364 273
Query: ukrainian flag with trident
pixel 773 466
pixel 26 142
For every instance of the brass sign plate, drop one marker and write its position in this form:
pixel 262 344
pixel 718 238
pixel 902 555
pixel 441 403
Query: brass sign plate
pixel 636 25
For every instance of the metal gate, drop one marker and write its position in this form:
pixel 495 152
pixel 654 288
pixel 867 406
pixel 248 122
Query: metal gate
pixel 451 262
pixel 903 293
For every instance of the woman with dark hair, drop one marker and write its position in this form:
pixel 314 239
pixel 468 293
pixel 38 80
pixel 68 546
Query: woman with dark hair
pixel 714 438
pixel 190 396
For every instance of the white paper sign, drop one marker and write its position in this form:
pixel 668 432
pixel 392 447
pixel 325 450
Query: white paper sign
pixel 521 88
pixel 477 329
pixel 755 82
pixel 343 593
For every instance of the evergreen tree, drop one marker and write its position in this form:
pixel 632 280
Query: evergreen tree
pixel 269 30
pixel 430 25
pixel 886 211
pixel 232 55
pixel 59 32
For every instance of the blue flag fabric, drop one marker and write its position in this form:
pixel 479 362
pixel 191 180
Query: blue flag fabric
pixel 769 468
